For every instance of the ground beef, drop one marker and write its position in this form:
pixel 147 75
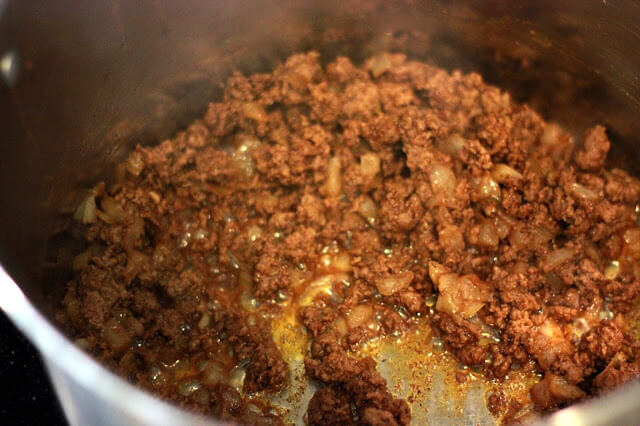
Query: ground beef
pixel 360 201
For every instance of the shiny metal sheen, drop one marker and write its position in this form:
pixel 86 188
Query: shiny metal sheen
pixel 96 78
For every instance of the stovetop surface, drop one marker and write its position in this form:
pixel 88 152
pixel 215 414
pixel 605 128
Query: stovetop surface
pixel 26 394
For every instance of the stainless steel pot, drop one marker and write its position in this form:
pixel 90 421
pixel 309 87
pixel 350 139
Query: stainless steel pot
pixel 82 82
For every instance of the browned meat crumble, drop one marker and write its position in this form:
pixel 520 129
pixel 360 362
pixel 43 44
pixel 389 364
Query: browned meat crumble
pixel 365 197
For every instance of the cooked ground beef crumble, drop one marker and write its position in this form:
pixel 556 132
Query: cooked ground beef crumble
pixel 363 199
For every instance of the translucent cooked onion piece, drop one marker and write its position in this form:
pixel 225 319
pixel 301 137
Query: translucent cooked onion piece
pixel 612 270
pixel 238 374
pixel 379 64
pixel 452 144
pixel 360 315
pixel 112 209
pixel 116 336
pixel 369 164
pixel 550 342
pixel 254 111
pixel 204 322
pixel 462 295
pixel 254 232
pixel 554 389
pixel 436 270
pixel 541 236
pixel 503 223
pixel 340 262
pixel 488 234
pixel 340 325
pixel 333 185
pixel 135 264
pixel 556 258
pixel 551 135
pixel 367 209
pixel 443 181
pixel 86 211
pixel 451 238
pixel 242 154
pixel 556 141
pixel 584 193
pixel 504 174
pixel 391 284
pixel 321 286
pixel 485 186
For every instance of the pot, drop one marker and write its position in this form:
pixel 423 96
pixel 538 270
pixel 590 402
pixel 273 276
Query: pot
pixel 82 82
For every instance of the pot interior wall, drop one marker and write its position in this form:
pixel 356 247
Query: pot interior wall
pixel 96 78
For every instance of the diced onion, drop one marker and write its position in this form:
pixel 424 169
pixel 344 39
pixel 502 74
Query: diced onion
pixel 579 327
pixel 238 375
pixel 561 389
pixel 551 135
pixel 187 388
pixel 486 187
pixel 391 284
pixel 242 154
pixel 541 236
pixel 359 316
pixel 155 197
pixel 503 173
pixel 436 270
pixel 86 211
pixel 340 325
pixel 593 253
pixel 204 322
pixel 451 145
pixel 554 281
pixel 583 192
pixel 254 111
pixel 369 164
pixel 341 262
pixel 488 235
pixel 451 238
pixel 116 336
pixel 554 389
pixel 368 210
pixel 112 208
pixel 612 270
pixel 254 232
pixel 556 258
pixel 462 295
pixel 333 185
pixel 518 238
pixel 213 373
pixel 443 181
pixel 502 227
pixel 380 64
pixel 320 286
pixel 135 264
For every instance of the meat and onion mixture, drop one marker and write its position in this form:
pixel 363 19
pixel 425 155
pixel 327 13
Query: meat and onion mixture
pixel 358 202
